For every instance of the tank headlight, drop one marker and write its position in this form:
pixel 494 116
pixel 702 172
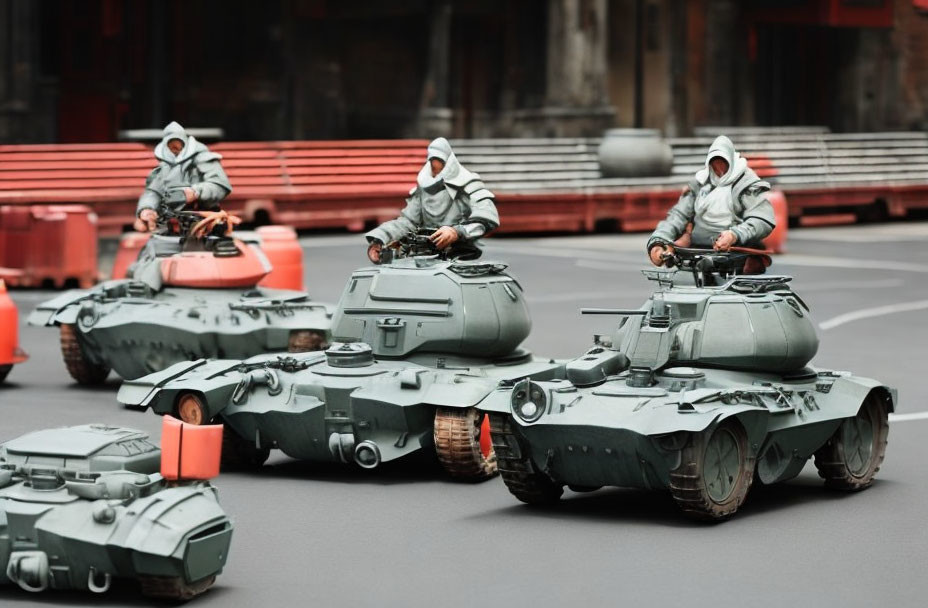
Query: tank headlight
pixel 529 401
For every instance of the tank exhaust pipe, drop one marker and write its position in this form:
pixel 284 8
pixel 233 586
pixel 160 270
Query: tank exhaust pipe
pixel 367 455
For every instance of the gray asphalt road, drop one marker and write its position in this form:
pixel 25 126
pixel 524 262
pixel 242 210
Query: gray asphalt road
pixel 405 536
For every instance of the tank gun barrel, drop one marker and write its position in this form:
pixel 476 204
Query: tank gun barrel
pixel 613 311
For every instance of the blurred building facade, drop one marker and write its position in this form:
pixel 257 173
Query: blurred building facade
pixel 82 70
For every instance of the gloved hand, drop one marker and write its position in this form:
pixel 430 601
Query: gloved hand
pixel 147 220
pixel 373 251
pixel 725 241
pixel 444 236
pixel 656 253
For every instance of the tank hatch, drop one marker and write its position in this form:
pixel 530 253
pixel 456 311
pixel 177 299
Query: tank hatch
pixel 91 447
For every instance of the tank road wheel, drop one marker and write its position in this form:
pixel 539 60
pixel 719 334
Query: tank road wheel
pixel 5 371
pixel 515 467
pixel 460 446
pixel 192 409
pixel 174 587
pixel 239 453
pixel 79 367
pixel 715 472
pixel 853 455
pixel 304 340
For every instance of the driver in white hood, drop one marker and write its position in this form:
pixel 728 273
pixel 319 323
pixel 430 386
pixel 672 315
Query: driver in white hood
pixel 726 203
pixel 447 198
pixel 183 163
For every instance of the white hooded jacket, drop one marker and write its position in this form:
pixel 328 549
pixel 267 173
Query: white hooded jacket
pixel 455 197
pixel 195 167
pixel 736 201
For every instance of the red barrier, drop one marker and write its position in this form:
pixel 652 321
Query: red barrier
pixel 10 353
pixel 189 451
pixel 280 245
pixel 50 244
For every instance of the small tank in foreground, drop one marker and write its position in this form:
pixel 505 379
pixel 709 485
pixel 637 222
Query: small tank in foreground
pixel 82 506
pixel 192 298
pixel 421 341
pixel 702 391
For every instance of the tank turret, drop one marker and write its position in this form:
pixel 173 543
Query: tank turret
pixel 422 304
pixel 751 323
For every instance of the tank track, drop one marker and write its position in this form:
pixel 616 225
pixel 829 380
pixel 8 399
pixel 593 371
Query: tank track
pixel 458 445
pixel 523 480
pixel 831 465
pixel 82 370
pixel 174 587
pixel 239 454
pixel 686 484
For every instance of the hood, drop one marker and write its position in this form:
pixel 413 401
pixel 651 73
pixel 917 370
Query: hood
pixel 175 131
pixel 722 147
pixel 439 148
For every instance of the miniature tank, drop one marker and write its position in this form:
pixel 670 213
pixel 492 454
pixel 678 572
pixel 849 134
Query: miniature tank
pixel 193 298
pixel 420 342
pixel 10 353
pixel 82 506
pixel 702 391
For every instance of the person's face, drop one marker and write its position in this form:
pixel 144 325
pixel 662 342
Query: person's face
pixel 437 165
pixel 175 146
pixel 719 165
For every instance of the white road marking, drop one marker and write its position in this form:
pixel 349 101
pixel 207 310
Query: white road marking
pixel 828 286
pixel 867 313
pixel 877 233
pixel 908 417
pixel 791 259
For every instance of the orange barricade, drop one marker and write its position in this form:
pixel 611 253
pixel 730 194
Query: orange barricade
pixel 283 250
pixel 776 241
pixel 10 354
pixel 51 244
pixel 130 244
pixel 189 451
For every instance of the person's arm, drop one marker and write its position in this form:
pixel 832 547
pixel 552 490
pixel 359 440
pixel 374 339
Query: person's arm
pixel 757 219
pixel 409 219
pixel 150 198
pixel 215 184
pixel 674 225
pixel 483 214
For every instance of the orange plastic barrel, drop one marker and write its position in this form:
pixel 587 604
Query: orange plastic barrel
pixel 130 245
pixel 776 241
pixel 189 451
pixel 280 245
pixel 9 330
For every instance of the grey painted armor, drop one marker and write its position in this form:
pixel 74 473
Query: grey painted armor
pixel 455 197
pixel 737 201
pixel 195 167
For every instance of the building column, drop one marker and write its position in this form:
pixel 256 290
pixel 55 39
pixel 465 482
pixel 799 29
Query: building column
pixel 435 116
pixel 576 98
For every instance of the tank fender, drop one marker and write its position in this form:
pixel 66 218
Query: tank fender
pixel 848 393
pixel 142 391
pixel 498 401
pixel 60 309
pixel 462 394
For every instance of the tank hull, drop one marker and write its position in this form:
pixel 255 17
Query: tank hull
pixel 322 412
pixel 616 435
pixel 126 327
